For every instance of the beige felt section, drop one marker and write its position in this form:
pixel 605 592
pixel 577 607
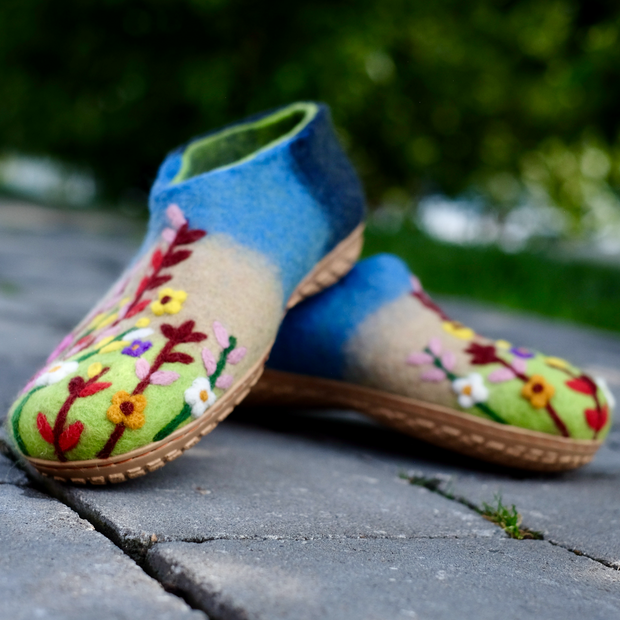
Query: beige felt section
pixel 224 282
pixel 236 286
pixel 376 356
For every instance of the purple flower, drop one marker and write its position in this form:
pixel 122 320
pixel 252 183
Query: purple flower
pixel 137 348
pixel 522 353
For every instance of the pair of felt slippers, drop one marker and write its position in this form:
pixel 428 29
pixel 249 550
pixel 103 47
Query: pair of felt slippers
pixel 253 239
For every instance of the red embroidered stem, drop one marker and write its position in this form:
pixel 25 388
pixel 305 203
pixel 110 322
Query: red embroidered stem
pixel 61 418
pixel 557 420
pixel 182 334
pixel 184 236
pixel 425 300
pixel 157 364
pixel 105 452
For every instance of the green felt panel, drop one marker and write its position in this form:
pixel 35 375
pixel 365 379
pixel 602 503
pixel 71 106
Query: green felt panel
pixel 163 404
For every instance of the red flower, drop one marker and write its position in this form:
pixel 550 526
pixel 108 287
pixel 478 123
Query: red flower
pixel 482 354
pixel 597 418
pixel 582 384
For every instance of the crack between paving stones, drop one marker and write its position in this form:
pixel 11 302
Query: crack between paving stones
pixel 100 525
pixel 433 484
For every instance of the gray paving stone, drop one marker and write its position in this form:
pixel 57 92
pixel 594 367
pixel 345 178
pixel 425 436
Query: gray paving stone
pixel 579 510
pixel 244 482
pixel 10 473
pixel 54 565
pixel 371 580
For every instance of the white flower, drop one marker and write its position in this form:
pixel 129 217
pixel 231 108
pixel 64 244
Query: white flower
pixel 138 334
pixel 200 396
pixel 609 397
pixel 470 390
pixel 56 373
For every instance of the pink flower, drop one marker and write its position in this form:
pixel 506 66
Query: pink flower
pixel 175 216
pixel 443 363
pixel 221 335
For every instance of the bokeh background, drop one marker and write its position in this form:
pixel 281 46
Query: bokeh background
pixel 486 132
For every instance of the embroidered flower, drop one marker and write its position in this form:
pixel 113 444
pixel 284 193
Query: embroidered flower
pixel 503 344
pixel 56 373
pixel 481 354
pixel 199 396
pixel 137 348
pixel 127 410
pixel 110 345
pixel 139 334
pixel 454 328
pixel 538 391
pixel 603 387
pixel 94 369
pixel 557 362
pixel 170 301
pixel 522 353
pixel 442 363
pixel 470 390
pixel 143 322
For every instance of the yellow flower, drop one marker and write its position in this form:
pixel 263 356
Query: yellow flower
pixel 454 328
pixel 538 391
pixel 127 410
pixel 170 302
pixel 556 362
pixel 503 344
pixel 97 319
pixel 94 369
pixel 108 320
pixel 114 346
pixel 143 322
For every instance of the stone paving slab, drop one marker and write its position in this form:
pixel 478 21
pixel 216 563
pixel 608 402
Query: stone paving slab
pixel 244 482
pixel 376 580
pixel 10 473
pixel 579 510
pixel 54 565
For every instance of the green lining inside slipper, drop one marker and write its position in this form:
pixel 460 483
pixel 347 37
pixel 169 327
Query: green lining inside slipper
pixel 242 142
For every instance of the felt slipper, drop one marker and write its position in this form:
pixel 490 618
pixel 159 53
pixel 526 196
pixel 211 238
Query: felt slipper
pixel 376 342
pixel 244 223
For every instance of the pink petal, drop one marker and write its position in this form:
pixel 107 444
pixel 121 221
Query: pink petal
pixel 175 216
pixel 434 375
pixel 236 355
pixel 419 359
pixel 209 361
pixel 519 364
pixel 164 377
pixel 435 346
pixel 168 235
pixel 500 375
pixel 142 368
pixel 224 382
pixel 448 359
pixel 221 335
pixel 416 284
pixel 64 343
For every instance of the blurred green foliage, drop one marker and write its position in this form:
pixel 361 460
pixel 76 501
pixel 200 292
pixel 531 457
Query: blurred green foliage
pixel 515 99
pixel 579 291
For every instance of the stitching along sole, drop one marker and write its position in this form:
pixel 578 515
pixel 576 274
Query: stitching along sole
pixel 139 462
pixel 509 446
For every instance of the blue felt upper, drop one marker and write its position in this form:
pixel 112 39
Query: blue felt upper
pixel 292 202
pixel 313 335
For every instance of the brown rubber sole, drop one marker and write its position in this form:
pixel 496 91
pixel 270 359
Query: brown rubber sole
pixel 509 446
pixel 139 462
